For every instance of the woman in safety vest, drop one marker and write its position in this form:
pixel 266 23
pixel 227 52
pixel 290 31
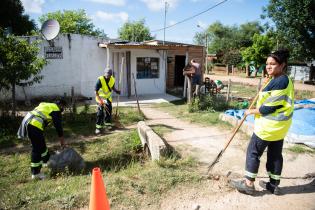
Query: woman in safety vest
pixel 33 126
pixel 273 118
pixel 103 96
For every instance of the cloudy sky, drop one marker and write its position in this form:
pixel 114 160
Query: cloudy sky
pixel 110 15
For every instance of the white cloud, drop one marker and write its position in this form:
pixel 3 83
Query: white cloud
pixel 106 16
pixel 33 6
pixel 111 2
pixel 157 5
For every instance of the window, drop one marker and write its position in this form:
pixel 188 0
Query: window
pixel 147 68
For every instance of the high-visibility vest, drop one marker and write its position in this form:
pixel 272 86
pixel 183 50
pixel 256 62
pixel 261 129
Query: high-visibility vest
pixel 41 114
pixel 274 126
pixel 104 91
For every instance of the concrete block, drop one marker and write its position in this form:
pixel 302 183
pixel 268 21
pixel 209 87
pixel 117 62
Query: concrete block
pixel 150 139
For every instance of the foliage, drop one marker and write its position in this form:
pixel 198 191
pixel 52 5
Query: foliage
pixel 208 103
pixel 11 13
pixel 226 41
pixel 73 21
pixel 295 26
pixel 21 65
pixel 257 53
pixel 135 31
pixel 232 57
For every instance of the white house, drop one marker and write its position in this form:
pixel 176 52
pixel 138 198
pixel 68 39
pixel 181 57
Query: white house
pixel 76 61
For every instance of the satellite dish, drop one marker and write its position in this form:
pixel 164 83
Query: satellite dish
pixel 50 29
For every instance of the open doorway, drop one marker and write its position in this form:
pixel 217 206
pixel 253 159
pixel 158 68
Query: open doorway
pixel 179 66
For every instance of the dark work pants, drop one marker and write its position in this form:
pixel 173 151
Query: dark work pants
pixel 40 153
pixel 274 163
pixel 102 113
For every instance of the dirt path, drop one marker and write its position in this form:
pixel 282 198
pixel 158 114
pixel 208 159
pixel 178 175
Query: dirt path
pixel 204 143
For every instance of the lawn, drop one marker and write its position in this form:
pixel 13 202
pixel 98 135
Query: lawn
pixel 132 180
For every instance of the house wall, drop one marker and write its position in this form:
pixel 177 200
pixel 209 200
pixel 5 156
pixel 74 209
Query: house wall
pixel 148 86
pixel 83 61
pixel 196 53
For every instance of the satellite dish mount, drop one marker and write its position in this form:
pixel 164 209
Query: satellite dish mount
pixel 50 30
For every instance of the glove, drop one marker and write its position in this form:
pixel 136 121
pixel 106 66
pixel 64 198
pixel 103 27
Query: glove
pixel 105 102
pixel 118 92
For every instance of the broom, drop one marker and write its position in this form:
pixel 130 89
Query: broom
pixel 216 160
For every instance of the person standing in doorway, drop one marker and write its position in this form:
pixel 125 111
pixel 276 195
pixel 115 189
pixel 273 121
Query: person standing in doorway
pixel 273 118
pixel 103 95
pixel 196 78
pixel 33 126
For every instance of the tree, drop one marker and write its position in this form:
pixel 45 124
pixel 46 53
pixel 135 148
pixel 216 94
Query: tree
pixel 135 31
pixel 20 64
pixel 295 26
pixel 258 52
pixel 12 18
pixel 227 41
pixel 73 21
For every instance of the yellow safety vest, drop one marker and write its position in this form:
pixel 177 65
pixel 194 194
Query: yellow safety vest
pixel 41 114
pixel 274 126
pixel 104 92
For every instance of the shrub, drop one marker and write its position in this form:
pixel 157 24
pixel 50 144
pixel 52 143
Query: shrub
pixel 208 103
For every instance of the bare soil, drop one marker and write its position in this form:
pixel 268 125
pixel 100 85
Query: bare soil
pixel 204 143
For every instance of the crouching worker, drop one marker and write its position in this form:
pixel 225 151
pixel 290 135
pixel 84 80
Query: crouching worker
pixel 33 126
pixel 103 96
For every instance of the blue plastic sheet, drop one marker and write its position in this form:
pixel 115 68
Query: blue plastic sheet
pixel 303 121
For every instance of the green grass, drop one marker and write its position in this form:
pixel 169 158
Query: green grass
pixel 180 110
pixel 161 129
pixel 130 180
pixel 80 124
pixel 301 149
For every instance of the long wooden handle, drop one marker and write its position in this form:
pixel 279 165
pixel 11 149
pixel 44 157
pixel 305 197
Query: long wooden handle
pixel 244 117
pixel 120 78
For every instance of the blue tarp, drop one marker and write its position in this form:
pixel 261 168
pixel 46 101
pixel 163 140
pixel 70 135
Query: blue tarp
pixel 303 122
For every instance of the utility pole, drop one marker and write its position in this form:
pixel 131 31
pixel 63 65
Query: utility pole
pixel 165 10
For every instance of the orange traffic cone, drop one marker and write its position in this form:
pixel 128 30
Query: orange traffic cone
pixel 98 197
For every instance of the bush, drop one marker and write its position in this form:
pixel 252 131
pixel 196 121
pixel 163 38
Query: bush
pixel 208 103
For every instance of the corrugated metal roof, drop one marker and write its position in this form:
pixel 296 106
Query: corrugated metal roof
pixel 151 44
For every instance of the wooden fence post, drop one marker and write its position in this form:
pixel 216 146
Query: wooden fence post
pixel 228 91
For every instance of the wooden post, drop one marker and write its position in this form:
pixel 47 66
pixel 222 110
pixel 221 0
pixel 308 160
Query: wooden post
pixel 232 69
pixel 134 82
pixel 227 69
pixel 247 71
pixel 189 90
pixel 120 78
pixel 185 87
pixel 228 91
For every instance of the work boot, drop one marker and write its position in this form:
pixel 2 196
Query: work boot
pixel 242 187
pixel 270 187
pixel 97 131
pixel 39 176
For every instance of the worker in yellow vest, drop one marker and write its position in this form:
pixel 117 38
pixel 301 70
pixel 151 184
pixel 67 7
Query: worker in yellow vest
pixel 103 96
pixel 273 118
pixel 33 126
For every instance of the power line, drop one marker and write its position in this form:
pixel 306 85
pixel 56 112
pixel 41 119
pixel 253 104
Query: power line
pixel 191 17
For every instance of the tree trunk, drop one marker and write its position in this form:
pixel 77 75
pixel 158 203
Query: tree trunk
pixel 13 99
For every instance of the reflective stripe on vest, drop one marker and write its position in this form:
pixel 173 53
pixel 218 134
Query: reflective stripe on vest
pixel 41 114
pixel 274 126
pixel 104 92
